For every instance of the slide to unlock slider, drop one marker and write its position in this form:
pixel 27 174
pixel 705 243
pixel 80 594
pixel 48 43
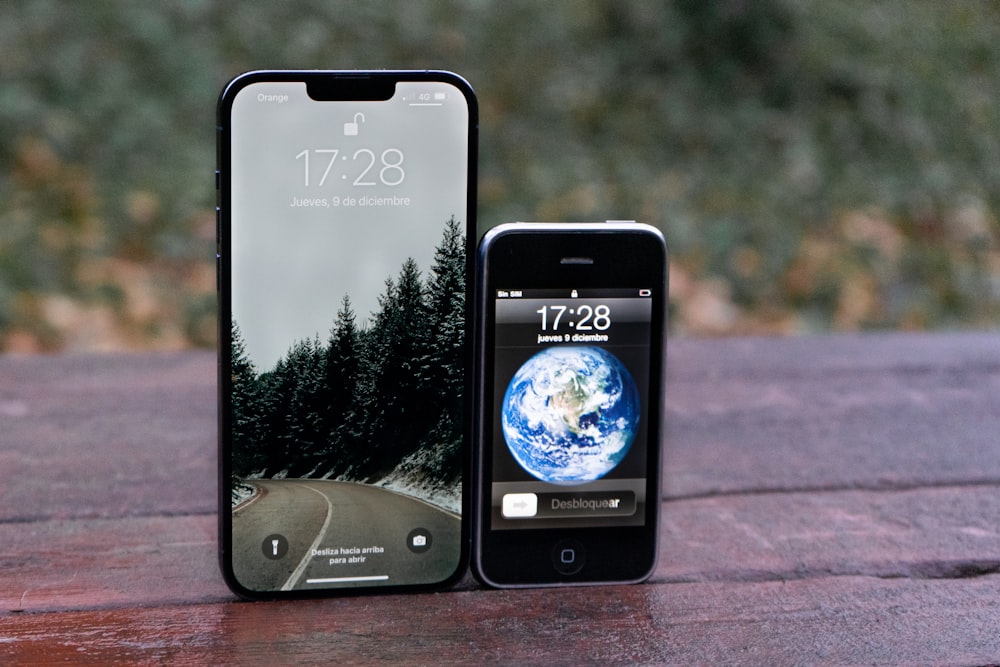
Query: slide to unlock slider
pixel 351 129
pixel 519 505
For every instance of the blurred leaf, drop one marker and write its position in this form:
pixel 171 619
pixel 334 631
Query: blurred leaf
pixel 814 165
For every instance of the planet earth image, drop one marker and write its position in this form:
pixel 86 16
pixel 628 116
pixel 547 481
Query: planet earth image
pixel 570 414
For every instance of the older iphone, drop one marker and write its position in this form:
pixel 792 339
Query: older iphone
pixel 570 358
pixel 346 210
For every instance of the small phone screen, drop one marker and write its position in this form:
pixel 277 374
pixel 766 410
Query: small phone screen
pixel 345 267
pixel 570 408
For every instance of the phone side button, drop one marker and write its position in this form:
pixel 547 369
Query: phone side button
pixel 218 248
pixel 568 556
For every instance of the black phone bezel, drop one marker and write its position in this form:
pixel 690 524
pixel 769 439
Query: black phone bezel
pixel 330 85
pixel 600 255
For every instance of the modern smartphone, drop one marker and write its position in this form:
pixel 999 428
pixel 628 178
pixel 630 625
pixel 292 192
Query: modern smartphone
pixel 570 354
pixel 346 214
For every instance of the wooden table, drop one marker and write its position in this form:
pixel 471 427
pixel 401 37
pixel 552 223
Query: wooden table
pixel 827 500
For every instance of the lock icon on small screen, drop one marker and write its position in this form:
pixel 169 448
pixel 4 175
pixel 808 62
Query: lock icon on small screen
pixel 351 129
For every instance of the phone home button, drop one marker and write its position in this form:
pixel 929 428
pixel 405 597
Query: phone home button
pixel 568 556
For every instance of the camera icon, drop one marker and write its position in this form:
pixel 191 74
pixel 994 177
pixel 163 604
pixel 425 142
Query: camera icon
pixel 419 540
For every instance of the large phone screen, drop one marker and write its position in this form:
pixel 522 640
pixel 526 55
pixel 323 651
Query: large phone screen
pixel 346 286
pixel 570 407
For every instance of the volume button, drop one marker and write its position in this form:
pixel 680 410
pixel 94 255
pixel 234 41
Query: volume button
pixel 218 248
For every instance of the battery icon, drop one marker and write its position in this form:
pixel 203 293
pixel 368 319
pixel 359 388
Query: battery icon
pixel 440 96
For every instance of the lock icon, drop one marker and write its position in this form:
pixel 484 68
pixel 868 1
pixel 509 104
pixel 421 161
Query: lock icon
pixel 351 129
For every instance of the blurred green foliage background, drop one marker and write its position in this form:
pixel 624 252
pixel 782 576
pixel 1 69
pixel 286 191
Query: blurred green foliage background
pixel 815 165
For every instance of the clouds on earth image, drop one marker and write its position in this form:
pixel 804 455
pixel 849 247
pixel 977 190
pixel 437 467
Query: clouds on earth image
pixel 570 414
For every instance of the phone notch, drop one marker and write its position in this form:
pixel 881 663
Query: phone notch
pixel 350 88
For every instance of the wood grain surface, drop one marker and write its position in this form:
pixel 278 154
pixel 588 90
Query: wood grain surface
pixel 828 500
